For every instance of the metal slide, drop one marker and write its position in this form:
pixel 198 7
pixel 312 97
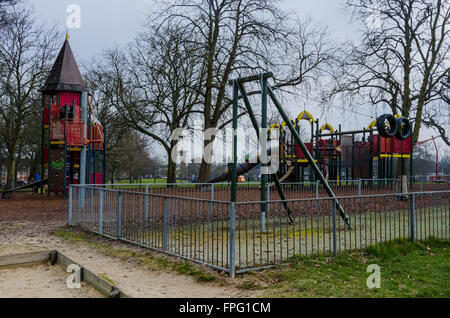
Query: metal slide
pixel 242 169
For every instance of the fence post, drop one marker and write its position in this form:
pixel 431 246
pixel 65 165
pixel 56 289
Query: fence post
pixel 100 214
pixel 412 217
pixel 146 203
pixel 165 225
pixel 119 216
pixel 82 197
pixel 334 229
pixel 359 187
pixel 70 205
pixel 211 205
pixel 232 239
pixel 317 194
pixel 263 214
pixel 317 189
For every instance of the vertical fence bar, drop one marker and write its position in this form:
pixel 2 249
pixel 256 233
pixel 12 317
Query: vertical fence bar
pixel 317 194
pixel 317 189
pixel 359 187
pixel 412 217
pixel 211 205
pixel 100 214
pixel 334 229
pixel 232 239
pixel 119 215
pixel 69 221
pixel 165 220
pixel 146 204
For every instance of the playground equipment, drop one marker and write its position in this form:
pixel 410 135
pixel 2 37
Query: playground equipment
pixel 345 155
pixel 340 155
pixel 372 152
pixel 72 139
pixel 240 92
pixel 5 194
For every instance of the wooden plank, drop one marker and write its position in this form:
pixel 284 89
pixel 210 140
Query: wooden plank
pixel 24 259
pixel 103 286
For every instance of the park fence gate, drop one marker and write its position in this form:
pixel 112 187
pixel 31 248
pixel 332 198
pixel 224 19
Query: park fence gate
pixel 236 237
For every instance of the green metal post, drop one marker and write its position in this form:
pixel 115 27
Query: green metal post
pixel 234 163
pixel 263 151
pixel 256 127
pixel 233 182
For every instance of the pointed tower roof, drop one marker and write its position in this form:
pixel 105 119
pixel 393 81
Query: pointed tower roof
pixel 65 74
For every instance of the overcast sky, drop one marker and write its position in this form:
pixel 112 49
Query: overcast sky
pixel 108 23
pixel 105 23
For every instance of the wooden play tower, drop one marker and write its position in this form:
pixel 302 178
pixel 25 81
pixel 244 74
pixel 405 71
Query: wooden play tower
pixel 72 139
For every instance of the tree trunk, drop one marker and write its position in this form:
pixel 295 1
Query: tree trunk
pixel 11 177
pixel 205 172
pixel 34 166
pixel 12 160
pixel 205 167
pixel 171 169
pixel 402 168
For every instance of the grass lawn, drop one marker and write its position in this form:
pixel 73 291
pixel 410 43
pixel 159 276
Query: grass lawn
pixel 407 270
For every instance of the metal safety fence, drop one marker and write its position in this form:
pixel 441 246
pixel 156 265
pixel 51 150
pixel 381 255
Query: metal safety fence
pixel 251 191
pixel 237 237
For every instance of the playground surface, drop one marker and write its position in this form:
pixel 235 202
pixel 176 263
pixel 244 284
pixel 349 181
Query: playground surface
pixel 37 223
pixel 41 281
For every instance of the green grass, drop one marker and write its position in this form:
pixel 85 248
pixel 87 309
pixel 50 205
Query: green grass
pixel 309 235
pixel 407 270
pixel 147 259
pixel 109 280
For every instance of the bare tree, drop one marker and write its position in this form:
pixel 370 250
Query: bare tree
pixel 5 16
pixel 445 93
pixel 437 115
pixel 241 37
pixel 151 86
pixel 27 50
pixel 402 61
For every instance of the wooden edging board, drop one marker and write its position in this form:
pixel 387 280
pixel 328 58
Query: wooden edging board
pixel 26 259
pixel 56 257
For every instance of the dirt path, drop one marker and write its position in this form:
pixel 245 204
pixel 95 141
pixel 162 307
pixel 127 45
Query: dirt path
pixel 29 227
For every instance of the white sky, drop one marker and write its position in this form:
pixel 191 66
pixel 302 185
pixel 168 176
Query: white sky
pixel 108 23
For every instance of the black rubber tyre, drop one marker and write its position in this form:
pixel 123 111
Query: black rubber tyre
pixel 404 128
pixel 393 125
